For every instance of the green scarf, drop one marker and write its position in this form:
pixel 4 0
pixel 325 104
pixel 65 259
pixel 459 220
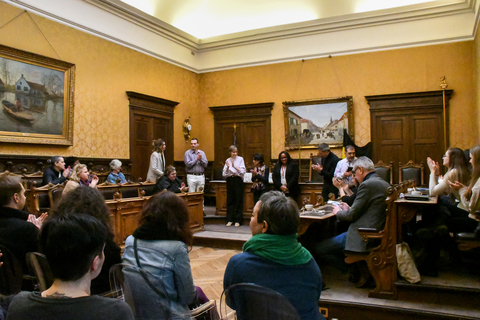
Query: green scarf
pixel 281 249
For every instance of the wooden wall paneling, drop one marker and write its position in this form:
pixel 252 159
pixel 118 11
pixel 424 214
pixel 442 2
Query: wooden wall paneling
pixel 408 126
pixel 150 118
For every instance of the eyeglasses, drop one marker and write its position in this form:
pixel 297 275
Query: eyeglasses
pixel 355 170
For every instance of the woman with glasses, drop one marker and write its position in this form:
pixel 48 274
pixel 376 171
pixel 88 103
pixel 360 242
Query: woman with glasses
pixel 169 181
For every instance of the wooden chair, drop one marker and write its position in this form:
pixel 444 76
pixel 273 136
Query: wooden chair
pixel 314 176
pixel 38 199
pixel 55 194
pixel 39 268
pixel 109 190
pixel 381 261
pixel 411 170
pixel 146 188
pixel 385 171
pixel 468 240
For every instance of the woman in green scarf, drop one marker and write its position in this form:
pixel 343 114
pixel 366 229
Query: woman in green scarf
pixel 273 257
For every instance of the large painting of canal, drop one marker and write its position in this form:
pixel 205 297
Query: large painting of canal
pixel 33 99
pixel 312 122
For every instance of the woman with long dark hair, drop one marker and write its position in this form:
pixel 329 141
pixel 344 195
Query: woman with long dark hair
pixel 161 244
pixel 85 200
pixel 285 175
pixel 470 196
pixel 260 173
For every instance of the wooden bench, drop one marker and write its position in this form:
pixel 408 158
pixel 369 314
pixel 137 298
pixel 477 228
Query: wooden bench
pixel 382 260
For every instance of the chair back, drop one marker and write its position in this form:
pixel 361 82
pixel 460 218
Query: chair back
pixel 143 292
pixel 385 171
pixel 38 266
pixel 55 194
pixel 252 302
pixel 11 273
pixel 411 170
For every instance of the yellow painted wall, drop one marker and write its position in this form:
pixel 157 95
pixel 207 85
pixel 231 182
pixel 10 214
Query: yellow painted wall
pixel 384 72
pixel 104 72
pixel 477 81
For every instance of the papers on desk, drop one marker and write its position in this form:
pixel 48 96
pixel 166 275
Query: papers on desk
pixel 319 211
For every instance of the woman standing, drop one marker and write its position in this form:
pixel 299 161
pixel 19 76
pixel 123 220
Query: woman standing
pixel 260 174
pixel 285 175
pixel 234 171
pixel 80 178
pixel 470 196
pixel 157 160
pixel 160 246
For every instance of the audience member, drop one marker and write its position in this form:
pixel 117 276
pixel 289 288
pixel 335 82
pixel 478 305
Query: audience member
pixel 347 192
pixel 170 182
pixel 80 177
pixel 16 233
pixel 56 173
pixel 157 160
pixel 260 173
pixel 327 168
pixel 367 211
pixel 73 245
pixel 470 195
pixel 89 201
pixel 273 257
pixel 234 170
pixel 343 170
pixel 115 175
pixel 195 164
pixel 160 246
pixel 285 175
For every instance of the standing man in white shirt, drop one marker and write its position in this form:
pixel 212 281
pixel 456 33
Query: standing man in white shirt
pixel 195 164
pixel 342 170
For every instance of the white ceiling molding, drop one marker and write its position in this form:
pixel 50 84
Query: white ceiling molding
pixel 386 29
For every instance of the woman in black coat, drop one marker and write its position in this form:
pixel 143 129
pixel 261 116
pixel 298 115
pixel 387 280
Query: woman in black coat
pixel 285 175
pixel 170 182
pixel 260 173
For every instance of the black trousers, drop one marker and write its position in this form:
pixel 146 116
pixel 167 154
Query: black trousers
pixel 235 189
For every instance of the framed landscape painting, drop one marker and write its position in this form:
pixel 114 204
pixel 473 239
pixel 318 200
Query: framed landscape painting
pixel 37 98
pixel 309 123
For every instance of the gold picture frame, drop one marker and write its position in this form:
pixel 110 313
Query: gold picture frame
pixel 36 98
pixel 311 122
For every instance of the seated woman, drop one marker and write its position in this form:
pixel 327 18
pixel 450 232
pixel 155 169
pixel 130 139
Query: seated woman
pixel 160 246
pixel 80 178
pixel 115 175
pixel 83 200
pixel 470 196
pixel 285 175
pixel 260 174
pixel 170 182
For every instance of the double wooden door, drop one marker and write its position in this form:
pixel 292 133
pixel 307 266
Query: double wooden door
pixel 250 127
pixel 408 126
pixel 151 118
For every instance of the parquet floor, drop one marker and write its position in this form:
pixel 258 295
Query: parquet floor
pixel 208 266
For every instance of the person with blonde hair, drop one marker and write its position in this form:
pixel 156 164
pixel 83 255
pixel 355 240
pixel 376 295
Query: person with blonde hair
pixel 80 177
pixel 157 160
pixel 115 175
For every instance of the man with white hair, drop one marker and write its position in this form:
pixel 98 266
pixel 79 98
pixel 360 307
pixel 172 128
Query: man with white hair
pixel 367 211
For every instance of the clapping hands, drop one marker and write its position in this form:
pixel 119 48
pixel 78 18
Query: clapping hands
pixel 38 222
pixel 433 166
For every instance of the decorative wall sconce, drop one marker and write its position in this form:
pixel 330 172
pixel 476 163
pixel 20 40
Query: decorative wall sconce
pixel 187 127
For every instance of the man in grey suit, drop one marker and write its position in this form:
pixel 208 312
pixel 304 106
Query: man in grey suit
pixel 367 211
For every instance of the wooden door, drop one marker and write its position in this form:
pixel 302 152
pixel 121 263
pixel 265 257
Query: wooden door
pixel 151 118
pixel 253 131
pixel 407 127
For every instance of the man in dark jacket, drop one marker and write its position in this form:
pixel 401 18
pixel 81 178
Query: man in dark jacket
pixel 16 233
pixel 327 170
pixel 56 173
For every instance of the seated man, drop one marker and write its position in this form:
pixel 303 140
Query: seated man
pixel 273 257
pixel 56 173
pixel 16 233
pixel 367 211
pixel 73 245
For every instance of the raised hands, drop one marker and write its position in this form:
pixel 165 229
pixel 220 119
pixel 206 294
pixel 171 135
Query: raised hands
pixel 433 166
pixel 457 185
pixel 38 222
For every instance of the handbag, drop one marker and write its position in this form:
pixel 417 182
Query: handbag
pixel 406 264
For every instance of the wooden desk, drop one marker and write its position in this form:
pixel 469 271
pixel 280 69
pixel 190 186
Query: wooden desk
pixel 306 221
pixel 309 193
pixel 125 214
pixel 407 209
